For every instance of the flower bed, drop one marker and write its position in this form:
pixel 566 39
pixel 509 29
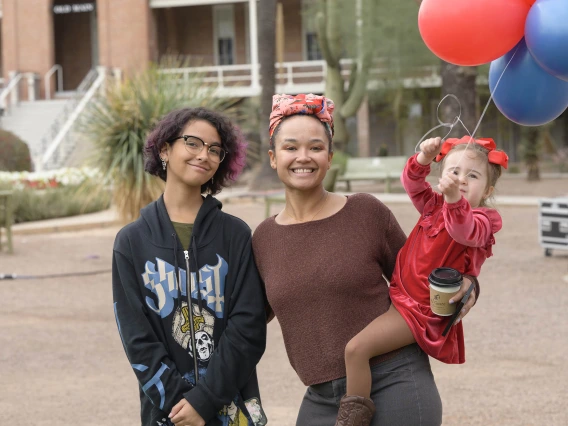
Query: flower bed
pixel 49 179
pixel 57 193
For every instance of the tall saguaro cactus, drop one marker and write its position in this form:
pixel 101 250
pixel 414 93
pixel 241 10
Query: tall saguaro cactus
pixel 328 26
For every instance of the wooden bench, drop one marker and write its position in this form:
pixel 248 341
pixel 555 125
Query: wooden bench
pixel 280 198
pixel 6 212
pixel 373 168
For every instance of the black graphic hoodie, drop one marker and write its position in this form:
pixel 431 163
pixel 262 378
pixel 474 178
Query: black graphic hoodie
pixel 220 339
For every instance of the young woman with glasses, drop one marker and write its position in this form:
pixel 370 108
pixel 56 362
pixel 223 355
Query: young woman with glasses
pixel 194 352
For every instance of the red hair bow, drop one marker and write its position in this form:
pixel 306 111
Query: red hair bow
pixel 494 157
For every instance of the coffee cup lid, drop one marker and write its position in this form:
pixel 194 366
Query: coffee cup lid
pixel 445 277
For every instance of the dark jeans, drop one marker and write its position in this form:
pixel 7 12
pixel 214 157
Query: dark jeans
pixel 403 390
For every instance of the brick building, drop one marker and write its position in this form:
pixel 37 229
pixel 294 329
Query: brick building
pixel 53 48
pixel 79 35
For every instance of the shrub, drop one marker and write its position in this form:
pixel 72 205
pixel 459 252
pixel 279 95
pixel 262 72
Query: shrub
pixel 30 204
pixel 14 153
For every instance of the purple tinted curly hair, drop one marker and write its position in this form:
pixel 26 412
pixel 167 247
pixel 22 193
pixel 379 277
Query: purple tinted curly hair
pixel 171 125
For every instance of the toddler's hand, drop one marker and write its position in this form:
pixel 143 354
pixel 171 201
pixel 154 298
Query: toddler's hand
pixel 450 186
pixel 429 149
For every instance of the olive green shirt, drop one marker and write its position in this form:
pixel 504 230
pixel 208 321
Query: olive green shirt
pixel 183 231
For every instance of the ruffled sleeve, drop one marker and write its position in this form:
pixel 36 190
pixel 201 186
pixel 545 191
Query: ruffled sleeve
pixel 471 227
pixel 413 179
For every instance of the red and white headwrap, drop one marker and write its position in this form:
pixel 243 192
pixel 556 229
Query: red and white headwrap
pixel 286 105
pixel 494 157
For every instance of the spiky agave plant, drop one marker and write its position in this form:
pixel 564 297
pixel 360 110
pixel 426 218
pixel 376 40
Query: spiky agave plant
pixel 119 120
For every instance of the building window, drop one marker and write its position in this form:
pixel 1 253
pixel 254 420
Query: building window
pixel 224 32
pixel 313 51
pixel 225 55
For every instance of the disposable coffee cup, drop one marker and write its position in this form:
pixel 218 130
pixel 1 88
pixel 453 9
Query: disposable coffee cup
pixel 444 284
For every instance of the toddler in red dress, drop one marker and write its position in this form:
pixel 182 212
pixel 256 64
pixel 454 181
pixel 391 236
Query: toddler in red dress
pixel 455 230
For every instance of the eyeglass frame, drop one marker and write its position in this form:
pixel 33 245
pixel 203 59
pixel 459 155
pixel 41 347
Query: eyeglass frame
pixel 185 137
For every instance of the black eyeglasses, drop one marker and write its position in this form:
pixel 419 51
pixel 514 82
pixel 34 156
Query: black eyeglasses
pixel 195 145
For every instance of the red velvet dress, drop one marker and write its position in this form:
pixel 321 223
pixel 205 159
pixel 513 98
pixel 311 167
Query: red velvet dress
pixel 450 235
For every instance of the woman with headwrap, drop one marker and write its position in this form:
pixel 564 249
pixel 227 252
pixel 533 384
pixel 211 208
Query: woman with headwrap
pixel 323 260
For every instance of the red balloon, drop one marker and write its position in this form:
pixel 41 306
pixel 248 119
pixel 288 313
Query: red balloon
pixel 472 32
pixel 531 2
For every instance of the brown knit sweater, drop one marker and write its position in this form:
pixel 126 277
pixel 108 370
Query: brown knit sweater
pixel 324 281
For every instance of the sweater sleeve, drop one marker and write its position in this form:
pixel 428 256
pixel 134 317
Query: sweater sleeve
pixel 241 345
pixel 470 227
pixel 413 179
pixel 392 243
pixel 157 374
pixel 257 253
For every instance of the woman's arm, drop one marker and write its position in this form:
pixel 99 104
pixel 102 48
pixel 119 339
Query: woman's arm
pixel 467 280
pixel 393 240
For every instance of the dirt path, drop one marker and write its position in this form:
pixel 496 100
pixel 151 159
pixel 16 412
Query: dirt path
pixel 62 360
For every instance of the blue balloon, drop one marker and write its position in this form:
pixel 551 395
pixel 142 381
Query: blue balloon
pixel 526 94
pixel 546 34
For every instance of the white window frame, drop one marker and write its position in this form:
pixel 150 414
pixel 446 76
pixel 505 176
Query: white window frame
pixel 305 30
pixel 247 34
pixel 228 27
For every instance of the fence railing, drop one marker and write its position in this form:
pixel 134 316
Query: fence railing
pixel 302 76
pixel 10 94
pixel 47 80
pixel 58 143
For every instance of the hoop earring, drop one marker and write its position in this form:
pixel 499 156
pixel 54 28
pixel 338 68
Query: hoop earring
pixel 164 164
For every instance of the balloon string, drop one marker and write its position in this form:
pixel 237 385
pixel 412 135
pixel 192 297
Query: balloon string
pixel 457 119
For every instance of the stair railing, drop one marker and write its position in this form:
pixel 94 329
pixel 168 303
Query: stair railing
pixel 57 145
pixel 47 80
pixel 12 92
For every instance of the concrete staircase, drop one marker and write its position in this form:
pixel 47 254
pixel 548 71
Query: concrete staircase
pixel 30 121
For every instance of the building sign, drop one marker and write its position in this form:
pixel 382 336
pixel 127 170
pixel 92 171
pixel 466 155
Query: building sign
pixel 62 9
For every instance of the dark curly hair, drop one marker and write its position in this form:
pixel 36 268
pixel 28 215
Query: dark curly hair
pixel 171 125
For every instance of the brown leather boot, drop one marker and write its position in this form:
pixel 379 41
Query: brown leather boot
pixel 355 411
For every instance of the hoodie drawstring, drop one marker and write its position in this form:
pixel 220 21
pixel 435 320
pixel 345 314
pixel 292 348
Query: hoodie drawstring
pixel 176 270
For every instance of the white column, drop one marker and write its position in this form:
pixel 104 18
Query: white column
pixel 31 86
pixel 253 22
pixel 15 95
pixel 102 70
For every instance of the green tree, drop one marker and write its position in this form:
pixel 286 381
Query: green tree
pixel 383 39
pixel 462 82
pixel 264 177
pixel 329 19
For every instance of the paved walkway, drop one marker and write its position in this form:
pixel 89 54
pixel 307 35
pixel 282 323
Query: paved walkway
pixel 516 348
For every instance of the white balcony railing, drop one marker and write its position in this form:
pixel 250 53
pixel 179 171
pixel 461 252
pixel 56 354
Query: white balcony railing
pixel 300 77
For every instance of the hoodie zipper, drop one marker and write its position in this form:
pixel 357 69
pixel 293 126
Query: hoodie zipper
pixel 190 316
